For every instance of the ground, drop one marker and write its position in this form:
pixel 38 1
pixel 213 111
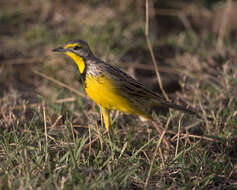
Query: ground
pixel 47 121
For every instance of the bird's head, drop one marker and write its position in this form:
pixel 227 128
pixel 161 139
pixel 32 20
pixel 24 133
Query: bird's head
pixel 78 47
pixel 78 50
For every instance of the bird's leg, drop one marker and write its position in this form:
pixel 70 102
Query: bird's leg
pixel 107 122
pixel 106 116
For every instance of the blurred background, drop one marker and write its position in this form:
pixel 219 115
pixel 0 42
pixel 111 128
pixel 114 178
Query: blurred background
pixel 194 42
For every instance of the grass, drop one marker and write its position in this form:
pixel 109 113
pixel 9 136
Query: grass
pixel 45 128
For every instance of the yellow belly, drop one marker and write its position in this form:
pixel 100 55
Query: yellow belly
pixel 104 93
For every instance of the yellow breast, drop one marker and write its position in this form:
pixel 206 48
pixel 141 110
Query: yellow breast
pixel 104 92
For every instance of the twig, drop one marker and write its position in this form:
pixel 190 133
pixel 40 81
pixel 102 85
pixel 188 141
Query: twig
pixel 198 137
pixel 222 29
pixel 156 150
pixel 72 99
pixel 152 52
pixel 60 83
pixel 159 131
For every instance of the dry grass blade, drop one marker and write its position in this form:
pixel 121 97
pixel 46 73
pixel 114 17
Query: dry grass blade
pixel 60 83
pixel 73 135
pixel 45 131
pixel 72 99
pixel 222 30
pixel 56 121
pixel 152 52
pixel 94 140
pixel 156 150
pixel 198 137
pixel 123 149
pixel 178 135
pixel 159 131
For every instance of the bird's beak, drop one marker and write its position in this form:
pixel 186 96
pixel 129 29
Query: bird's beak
pixel 59 49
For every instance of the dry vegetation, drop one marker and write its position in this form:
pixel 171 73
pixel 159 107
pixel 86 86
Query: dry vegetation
pixel 47 121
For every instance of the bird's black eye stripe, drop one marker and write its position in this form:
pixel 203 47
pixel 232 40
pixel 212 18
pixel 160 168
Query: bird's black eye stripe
pixel 76 47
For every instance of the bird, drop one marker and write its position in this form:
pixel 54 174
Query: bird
pixel 112 88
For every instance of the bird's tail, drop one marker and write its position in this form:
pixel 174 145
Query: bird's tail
pixel 184 109
pixel 179 107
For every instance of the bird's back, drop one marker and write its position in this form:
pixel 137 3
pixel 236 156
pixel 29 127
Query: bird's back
pixel 112 88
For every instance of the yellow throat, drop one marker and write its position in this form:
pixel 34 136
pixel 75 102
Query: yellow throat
pixel 78 60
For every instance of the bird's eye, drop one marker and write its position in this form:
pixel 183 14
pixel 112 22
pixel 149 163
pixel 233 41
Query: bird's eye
pixel 76 47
